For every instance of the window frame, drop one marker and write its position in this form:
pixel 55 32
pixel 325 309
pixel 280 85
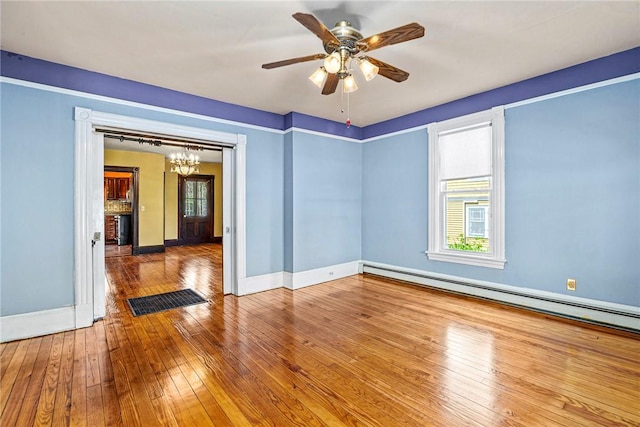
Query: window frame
pixel 438 249
pixel 467 219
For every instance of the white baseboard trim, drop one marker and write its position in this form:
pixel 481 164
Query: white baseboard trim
pixel 38 323
pixel 612 314
pixel 302 279
pixel 84 315
pixel 265 282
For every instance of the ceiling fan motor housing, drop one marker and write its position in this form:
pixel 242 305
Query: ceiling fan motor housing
pixel 348 37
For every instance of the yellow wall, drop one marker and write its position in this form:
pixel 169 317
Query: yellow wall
pixel 151 191
pixel 170 203
pixel 171 199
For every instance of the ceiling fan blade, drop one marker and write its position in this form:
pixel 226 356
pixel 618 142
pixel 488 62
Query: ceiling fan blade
pixel 389 71
pixel 316 27
pixel 397 35
pixel 331 84
pixel 293 61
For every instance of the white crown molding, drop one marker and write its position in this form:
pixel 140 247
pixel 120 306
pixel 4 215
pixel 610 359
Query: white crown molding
pixel 117 101
pixel 524 102
pixel 140 105
pixel 292 129
pixel 323 134
pixel 578 89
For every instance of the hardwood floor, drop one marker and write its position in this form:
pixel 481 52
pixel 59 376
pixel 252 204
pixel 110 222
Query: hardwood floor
pixel 115 250
pixel 357 351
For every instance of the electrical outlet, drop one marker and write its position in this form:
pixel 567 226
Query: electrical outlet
pixel 571 284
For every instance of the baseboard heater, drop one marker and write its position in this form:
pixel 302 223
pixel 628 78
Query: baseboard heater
pixel 625 318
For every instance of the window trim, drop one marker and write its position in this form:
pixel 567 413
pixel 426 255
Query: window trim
pixel 496 257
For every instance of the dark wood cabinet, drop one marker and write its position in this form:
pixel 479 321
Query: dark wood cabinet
pixel 117 188
pixel 109 188
pixel 110 232
pixel 123 187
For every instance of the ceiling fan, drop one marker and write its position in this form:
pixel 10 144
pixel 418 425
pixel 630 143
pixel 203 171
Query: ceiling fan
pixel 343 44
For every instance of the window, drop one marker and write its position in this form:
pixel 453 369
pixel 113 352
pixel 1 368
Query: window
pixel 476 224
pixel 466 189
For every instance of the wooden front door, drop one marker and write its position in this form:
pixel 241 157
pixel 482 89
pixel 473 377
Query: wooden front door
pixel 195 209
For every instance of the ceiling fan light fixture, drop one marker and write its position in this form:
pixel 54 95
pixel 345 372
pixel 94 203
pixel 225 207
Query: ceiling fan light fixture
pixel 349 84
pixel 318 76
pixel 332 63
pixel 369 71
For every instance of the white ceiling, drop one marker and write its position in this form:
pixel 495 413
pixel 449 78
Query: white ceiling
pixel 215 48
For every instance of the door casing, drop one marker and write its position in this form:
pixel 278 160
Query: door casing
pixel 89 280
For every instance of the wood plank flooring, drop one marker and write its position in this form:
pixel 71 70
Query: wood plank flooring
pixel 361 351
pixel 115 250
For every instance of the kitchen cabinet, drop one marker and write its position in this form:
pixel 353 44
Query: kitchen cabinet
pixel 110 232
pixel 123 187
pixel 116 188
pixel 117 229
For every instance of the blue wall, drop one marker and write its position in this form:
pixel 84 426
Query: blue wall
pixel 572 197
pixel 288 202
pixel 37 217
pixel 394 199
pixel 572 189
pixel 37 201
pixel 326 197
pixel 573 193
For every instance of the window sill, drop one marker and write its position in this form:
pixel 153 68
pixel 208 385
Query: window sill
pixel 468 259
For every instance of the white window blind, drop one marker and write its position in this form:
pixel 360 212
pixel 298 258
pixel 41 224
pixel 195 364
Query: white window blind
pixel 465 153
pixel 466 190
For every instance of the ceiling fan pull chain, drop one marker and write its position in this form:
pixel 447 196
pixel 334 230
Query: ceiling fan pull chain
pixel 348 111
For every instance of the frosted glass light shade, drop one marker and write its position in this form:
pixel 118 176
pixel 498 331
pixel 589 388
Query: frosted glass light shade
pixel 349 84
pixel 368 69
pixel 318 76
pixel 332 63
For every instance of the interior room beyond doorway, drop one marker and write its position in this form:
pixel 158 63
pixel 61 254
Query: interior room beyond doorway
pixel 118 211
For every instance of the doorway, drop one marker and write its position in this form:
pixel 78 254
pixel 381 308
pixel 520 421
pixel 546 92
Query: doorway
pixel 90 297
pixel 196 209
pixel 121 210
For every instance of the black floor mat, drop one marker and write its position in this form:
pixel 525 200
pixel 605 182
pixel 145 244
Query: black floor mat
pixel 161 302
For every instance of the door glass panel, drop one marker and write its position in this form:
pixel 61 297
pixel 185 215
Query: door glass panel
pixel 189 207
pixel 196 198
pixel 202 198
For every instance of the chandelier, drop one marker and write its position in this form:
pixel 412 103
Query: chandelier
pixel 184 163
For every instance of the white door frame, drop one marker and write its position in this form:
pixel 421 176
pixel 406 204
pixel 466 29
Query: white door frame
pixel 89 208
